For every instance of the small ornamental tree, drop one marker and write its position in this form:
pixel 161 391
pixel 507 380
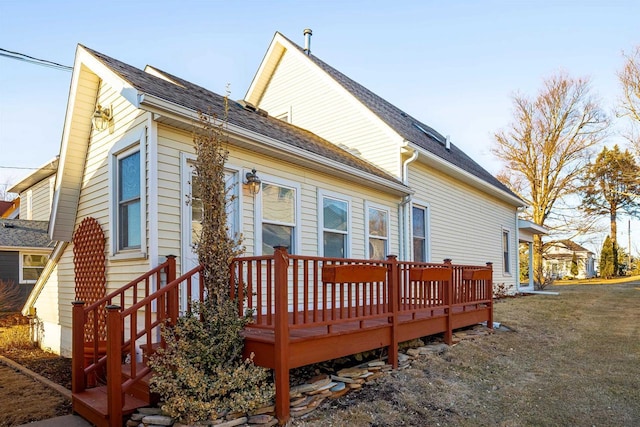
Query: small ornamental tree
pixel 606 259
pixel 201 374
pixel 574 265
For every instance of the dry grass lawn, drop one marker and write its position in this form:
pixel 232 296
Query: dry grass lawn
pixel 571 360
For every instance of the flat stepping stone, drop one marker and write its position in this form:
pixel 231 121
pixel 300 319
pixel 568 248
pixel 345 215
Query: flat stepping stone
pixel 338 387
pixel 352 372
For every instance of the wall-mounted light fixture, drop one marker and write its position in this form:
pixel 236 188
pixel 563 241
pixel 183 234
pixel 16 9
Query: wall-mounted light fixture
pixel 253 182
pixel 102 118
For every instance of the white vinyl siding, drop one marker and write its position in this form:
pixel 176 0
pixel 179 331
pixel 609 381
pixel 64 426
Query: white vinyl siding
pixel 37 206
pixel 319 104
pixel 464 222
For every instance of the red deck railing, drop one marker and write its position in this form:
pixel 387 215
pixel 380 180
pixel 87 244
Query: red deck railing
pixel 305 309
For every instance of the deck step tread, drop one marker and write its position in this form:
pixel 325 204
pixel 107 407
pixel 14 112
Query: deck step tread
pixel 96 398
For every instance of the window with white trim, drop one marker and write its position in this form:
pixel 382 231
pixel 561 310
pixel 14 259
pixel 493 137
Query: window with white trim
pixel 377 232
pixel 128 210
pixel 334 225
pixel 419 229
pixel 31 266
pixel 278 217
pixel 506 261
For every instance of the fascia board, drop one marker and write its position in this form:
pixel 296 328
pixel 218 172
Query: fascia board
pixel 25 249
pixel 464 176
pixel 274 147
pixel 84 63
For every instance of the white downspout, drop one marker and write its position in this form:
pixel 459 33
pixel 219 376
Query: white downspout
pixel 404 208
pixel 517 251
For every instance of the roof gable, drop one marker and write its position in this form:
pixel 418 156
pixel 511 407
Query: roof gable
pixel 196 98
pixel 148 90
pixel 408 128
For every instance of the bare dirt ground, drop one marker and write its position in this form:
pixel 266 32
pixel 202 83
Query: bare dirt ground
pixel 570 360
pixel 23 399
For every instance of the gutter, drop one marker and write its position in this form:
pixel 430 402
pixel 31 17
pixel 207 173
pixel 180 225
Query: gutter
pixel 274 147
pixel 58 250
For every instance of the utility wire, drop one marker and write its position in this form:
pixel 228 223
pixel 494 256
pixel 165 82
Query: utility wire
pixel 26 58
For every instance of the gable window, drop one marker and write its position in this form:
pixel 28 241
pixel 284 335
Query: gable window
pixel 377 232
pixel 334 225
pixel 506 262
pixel 31 266
pixel 278 217
pixel 419 233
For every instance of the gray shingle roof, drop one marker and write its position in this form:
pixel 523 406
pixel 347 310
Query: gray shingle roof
pixel 21 233
pixel 198 98
pixel 407 126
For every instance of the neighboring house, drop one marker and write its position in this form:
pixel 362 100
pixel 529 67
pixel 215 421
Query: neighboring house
pixel 36 192
pixel 10 210
pixel 24 243
pixel 24 250
pixel 558 258
pixel 5 206
pixel 411 193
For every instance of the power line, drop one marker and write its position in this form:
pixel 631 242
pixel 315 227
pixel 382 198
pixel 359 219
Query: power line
pixel 17 167
pixel 30 59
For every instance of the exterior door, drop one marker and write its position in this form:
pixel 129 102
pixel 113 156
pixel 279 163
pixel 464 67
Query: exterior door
pixel 192 219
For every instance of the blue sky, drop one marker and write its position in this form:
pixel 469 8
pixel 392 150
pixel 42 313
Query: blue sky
pixel 454 65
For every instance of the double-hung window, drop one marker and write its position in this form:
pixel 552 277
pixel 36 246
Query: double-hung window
pixel 419 232
pixel 505 251
pixel 278 217
pixel 31 266
pixel 129 219
pixel 378 232
pixel 334 227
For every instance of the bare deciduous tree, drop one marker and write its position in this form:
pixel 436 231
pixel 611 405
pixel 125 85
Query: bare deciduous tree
pixel 630 102
pixel 547 146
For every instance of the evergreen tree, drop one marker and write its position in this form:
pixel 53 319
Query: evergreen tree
pixel 611 185
pixel 574 265
pixel 607 259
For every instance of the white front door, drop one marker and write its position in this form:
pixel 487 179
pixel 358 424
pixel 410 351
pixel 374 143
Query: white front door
pixel 192 218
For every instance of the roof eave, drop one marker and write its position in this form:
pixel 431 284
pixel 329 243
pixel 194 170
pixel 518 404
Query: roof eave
pixel 464 176
pixel 273 147
pixel 43 172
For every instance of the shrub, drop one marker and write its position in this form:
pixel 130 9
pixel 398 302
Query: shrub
pixel 199 375
pixel 9 296
pixel 15 337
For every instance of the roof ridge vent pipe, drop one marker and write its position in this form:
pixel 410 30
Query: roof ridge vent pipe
pixel 447 143
pixel 307 40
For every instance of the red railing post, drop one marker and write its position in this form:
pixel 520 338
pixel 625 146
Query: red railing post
pixel 489 291
pixel 114 360
pixel 281 344
pixel 173 303
pixel 78 380
pixel 448 301
pixel 393 281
